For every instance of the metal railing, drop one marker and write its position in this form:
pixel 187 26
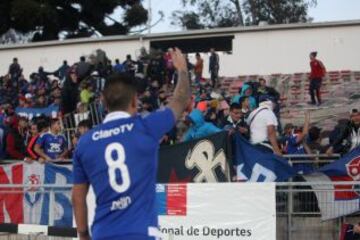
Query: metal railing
pixel 298 215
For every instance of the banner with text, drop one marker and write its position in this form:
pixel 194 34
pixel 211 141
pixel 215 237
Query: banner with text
pixel 217 211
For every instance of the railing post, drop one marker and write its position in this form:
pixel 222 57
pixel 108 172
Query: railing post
pixel 290 207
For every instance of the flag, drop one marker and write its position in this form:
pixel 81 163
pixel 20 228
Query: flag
pixel 201 160
pixel 255 165
pixel 35 204
pixel 337 200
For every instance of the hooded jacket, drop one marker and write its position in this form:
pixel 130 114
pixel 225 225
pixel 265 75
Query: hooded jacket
pixel 252 100
pixel 199 127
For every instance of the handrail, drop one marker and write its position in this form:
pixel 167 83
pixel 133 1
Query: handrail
pixel 278 184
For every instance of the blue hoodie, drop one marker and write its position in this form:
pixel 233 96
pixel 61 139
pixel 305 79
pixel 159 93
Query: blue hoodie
pixel 199 127
pixel 252 100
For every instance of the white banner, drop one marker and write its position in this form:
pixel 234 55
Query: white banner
pixel 210 211
pixel 220 211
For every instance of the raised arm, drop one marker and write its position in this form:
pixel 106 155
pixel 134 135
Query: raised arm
pixel 182 92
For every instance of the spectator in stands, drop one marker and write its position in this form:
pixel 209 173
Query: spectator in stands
pixel 62 71
pixel 84 126
pixel 87 95
pixel 318 72
pixel 38 127
pixel 349 137
pixel 52 146
pixel 294 138
pixel 198 69
pixel 263 122
pixel 14 72
pixel 246 91
pixel 169 67
pixel 245 106
pixel 129 65
pixel 314 140
pixel 15 139
pixel 70 92
pixel 118 67
pixel 199 128
pixel 214 67
pixel 83 69
pixel 235 121
pixel 41 102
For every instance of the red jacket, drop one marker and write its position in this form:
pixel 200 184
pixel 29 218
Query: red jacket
pixel 317 69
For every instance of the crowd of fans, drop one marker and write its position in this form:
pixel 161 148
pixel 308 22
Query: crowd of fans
pixel 254 112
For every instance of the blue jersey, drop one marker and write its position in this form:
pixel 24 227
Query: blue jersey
pixel 52 145
pixel 119 160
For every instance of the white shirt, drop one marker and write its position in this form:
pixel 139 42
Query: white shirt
pixel 258 127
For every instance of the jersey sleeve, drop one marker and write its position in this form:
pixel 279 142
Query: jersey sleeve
pixel 79 175
pixel 160 122
pixel 41 139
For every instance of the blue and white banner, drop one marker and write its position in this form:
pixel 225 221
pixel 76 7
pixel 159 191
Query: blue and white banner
pixel 51 111
pixel 36 204
pixel 337 200
pixel 254 165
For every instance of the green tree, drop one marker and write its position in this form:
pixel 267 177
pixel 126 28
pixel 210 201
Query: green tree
pixel 70 18
pixel 228 13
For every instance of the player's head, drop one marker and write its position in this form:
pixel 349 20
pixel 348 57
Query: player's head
pixel 55 125
pixel 120 93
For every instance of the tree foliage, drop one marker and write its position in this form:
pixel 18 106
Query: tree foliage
pixel 73 18
pixel 228 13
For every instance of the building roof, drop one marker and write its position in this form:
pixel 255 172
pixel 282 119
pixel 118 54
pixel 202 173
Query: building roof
pixel 186 34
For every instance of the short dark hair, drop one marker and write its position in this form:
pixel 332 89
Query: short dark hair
pixel 235 106
pixel 65 62
pixel 15 59
pixel 82 58
pixel 85 123
pixel 54 120
pixel 314 54
pixel 119 90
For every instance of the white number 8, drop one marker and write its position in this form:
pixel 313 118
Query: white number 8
pixel 118 163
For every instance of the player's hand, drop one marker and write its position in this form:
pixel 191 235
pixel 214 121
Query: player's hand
pixel 42 160
pixel 179 60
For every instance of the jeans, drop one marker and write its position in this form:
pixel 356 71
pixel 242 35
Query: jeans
pixel 315 85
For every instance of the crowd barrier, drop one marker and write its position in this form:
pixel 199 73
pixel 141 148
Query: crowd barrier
pixel 297 213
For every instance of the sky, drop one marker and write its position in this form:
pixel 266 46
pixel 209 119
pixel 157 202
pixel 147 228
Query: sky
pixel 326 10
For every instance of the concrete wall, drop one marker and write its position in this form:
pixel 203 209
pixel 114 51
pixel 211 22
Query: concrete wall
pixel 256 50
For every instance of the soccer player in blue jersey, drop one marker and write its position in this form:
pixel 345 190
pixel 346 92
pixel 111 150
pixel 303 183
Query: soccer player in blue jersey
pixel 119 160
pixel 52 145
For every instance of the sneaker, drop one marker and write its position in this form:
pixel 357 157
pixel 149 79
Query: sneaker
pixel 311 103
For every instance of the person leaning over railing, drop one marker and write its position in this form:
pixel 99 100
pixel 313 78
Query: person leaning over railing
pixel 350 135
pixel 52 145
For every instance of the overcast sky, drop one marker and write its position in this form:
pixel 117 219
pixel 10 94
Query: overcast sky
pixel 326 10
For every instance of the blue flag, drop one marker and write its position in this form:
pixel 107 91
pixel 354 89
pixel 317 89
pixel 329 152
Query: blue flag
pixel 50 111
pixel 254 165
pixel 337 200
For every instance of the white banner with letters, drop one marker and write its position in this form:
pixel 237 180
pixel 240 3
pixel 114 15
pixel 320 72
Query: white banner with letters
pixel 210 211
pixel 218 211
